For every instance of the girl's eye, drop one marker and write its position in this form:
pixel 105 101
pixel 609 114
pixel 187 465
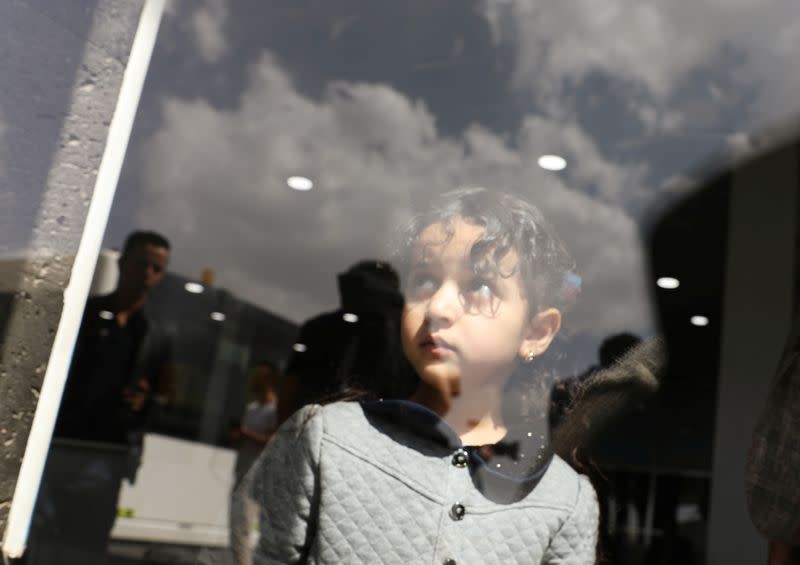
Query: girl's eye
pixel 481 287
pixel 421 283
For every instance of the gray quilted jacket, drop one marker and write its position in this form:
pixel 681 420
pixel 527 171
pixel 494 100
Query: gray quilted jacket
pixel 344 483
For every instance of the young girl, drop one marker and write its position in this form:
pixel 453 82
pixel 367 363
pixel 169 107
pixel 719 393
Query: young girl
pixel 460 472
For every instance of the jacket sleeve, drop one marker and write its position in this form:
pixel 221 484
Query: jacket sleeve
pixel 284 483
pixel 575 543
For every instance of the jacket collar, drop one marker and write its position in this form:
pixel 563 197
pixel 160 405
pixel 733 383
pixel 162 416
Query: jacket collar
pixel 504 472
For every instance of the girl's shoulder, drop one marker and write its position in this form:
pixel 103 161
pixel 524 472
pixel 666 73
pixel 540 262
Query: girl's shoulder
pixel 346 422
pixel 304 432
pixel 362 429
pixel 337 418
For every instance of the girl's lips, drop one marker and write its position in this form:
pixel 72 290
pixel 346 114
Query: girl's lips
pixel 437 345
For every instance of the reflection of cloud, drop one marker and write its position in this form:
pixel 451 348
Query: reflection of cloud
pixel 653 48
pixel 216 184
pixel 656 119
pixel 206 20
pixel 739 145
pixel 3 128
pixel 340 25
pixel 588 168
pixel 6 192
pixel 679 184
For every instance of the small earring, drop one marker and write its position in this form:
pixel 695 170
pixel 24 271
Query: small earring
pixel 529 356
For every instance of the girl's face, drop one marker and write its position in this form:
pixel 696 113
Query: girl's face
pixel 461 329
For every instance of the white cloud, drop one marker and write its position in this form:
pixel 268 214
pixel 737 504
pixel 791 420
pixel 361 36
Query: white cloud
pixel 588 167
pixel 206 20
pixel 679 184
pixel 3 129
pixel 654 48
pixel 6 192
pixel 739 145
pixel 216 184
pixel 656 118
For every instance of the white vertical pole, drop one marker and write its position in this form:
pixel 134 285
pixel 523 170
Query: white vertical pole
pixel 75 294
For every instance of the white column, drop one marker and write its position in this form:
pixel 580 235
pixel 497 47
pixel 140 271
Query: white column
pixel 27 486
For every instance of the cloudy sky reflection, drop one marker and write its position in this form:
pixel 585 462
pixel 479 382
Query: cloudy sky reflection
pixel 383 104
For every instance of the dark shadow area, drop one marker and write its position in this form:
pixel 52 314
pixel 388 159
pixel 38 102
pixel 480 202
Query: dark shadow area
pixel 354 350
pixel 159 371
pixel 654 457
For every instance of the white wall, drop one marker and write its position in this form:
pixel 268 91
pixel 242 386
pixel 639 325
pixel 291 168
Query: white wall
pixel 180 495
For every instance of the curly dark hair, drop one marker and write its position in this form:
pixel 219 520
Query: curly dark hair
pixel 546 268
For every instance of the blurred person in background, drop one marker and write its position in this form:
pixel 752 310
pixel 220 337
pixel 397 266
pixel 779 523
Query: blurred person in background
pixel 120 358
pixel 355 347
pixel 259 422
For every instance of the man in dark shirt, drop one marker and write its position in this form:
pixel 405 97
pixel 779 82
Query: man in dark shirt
pixel 119 358
pixel 119 355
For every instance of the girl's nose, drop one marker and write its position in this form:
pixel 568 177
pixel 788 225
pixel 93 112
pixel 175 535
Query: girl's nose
pixel 445 305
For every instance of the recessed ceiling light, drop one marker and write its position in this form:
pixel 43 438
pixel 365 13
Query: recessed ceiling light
pixel 668 283
pixel 699 321
pixel 106 315
pixel 218 316
pixel 300 183
pixel 348 317
pixel 552 162
pixel 194 288
pixel 299 347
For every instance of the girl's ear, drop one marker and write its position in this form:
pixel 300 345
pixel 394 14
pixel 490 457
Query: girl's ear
pixel 540 332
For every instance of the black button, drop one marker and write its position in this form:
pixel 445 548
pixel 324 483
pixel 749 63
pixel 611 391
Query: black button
pixel 457 511
pixel 460 458
pixel 449 562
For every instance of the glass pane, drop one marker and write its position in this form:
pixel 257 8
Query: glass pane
pixel 492 266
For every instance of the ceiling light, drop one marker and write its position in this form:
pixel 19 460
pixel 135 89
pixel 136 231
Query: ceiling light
pixel 699 321
pixel 668 283
pixel 552 162
pixel 106 315
pixel 218 316
pixel 300 183
pixel 194 288
pixel 300 347
pixel 351 318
